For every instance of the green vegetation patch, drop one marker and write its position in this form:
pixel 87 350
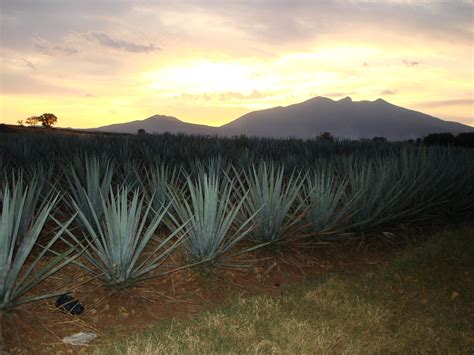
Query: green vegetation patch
pixel 423 300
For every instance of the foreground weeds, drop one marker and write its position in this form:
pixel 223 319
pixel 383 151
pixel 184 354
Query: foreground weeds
pixel 421 301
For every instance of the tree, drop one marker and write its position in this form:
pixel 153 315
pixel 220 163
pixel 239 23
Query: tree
pixel 20 123
pixel 379 139
pixel 465 139
pixel 439 139
pixel 48 120
pixel 326 137
pixel 32 121
pixel 141 132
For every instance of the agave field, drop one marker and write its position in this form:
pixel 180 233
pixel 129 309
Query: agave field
pixel 119 207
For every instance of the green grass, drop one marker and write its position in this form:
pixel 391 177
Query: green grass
pixel 422 300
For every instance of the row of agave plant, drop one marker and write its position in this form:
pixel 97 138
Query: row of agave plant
pixel 122 222
pixel 26 151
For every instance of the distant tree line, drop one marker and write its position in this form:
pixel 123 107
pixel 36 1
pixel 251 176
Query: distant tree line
pixel 465 139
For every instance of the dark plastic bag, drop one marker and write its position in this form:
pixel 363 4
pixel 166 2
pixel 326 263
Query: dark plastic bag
pixel 69 304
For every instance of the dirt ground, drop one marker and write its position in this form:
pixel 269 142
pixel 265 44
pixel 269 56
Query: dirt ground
pixel 39 327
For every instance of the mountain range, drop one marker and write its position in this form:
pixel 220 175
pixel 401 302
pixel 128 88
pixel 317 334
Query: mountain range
pixel 344 118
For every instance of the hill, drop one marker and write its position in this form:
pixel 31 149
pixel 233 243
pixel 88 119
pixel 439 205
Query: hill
pixel 158 124
pixel 343 118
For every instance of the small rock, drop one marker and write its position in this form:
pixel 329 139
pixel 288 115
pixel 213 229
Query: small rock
pixel 454 295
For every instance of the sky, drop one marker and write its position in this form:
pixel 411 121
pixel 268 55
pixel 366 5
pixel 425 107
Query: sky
pixel 98 62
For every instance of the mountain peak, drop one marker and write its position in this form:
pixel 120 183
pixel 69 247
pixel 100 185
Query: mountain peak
pixel 319 99
pixel 346 99
pixel 163 118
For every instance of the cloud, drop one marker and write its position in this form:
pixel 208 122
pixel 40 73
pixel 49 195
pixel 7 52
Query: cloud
pixel 222 96
pixel 12 62
pixel 29 64
pixel 278 22
pixel 297 20
pixel 50 48
pixel 17 84
pixel 410 63
pixel 77 42
pixel 444 103
pixel 339 94
pixel 387 92
pixel 107 41
pixel 230 95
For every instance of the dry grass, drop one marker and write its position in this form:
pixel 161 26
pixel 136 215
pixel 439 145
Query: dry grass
pixel 421 301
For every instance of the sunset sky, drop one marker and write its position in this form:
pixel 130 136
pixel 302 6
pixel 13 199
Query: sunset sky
pixel 95 62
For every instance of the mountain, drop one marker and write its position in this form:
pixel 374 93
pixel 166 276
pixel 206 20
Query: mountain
pixel 343 118
pixel 157 124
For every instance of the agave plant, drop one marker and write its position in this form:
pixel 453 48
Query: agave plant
pixel 441 183
pixel 115 245
pixel 32 192
pixel 275 204
pixel 128 173
pixel 45 175
pixel 211 210
pixel 158 181
pixel 327 202
pixel 377 192
pixel 16 278
pixel 87 183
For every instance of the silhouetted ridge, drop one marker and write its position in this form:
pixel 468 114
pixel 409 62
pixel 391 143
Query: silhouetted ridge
pixel 343 118
pixel 347 99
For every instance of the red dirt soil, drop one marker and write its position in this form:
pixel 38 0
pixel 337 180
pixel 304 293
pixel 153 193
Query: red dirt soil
pixel 39 327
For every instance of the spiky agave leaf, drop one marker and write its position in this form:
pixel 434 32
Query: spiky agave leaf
pixel 327 202
pixel 441 183
pixel 13 287
pixel 88 182
pixel 115 244
pixel 32 192
pixel 377 192
pixel 212 212
pixel 275 203
pixel 46 176
pixel 128 173
pixel 406 188
pixel 157 183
